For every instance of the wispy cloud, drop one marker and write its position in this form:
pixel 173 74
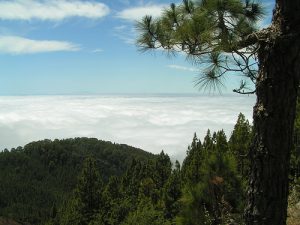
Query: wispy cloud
pixel 19 45
pixel 178 67
pixel 125 33
pixel 137 13
pixel 97 50
pixel 51 9
pixel 120 28
pixel 151 123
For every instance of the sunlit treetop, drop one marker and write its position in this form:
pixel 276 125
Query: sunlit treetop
pixel 221 35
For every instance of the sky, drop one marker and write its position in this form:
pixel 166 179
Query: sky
pixel 65 66
pixel 150 122
pixel 52 47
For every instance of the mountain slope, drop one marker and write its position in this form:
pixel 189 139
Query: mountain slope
pixel 36 179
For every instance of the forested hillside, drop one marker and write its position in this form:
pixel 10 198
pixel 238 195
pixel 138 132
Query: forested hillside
pixel 90 182
pixel 38 178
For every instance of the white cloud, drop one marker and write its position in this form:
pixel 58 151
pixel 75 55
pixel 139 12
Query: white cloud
pixel 97 50
pixel 125 33
pixel 19 45
pixel 120 28
pixel 127 39
pixel 178 67
pixel 137 13
pixel 152 123
pixel 51 9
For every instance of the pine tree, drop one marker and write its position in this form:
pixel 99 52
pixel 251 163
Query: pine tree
pixel 172 193
pixel 193 206
pixel 111 208
pixel 222 35
pixel 145 214
pixel 207 142
pixel 192 162
pixel 221 141
pixel 217 196
pixel 85 204
pixel 88 191
pixel 163 168
pixel 239 144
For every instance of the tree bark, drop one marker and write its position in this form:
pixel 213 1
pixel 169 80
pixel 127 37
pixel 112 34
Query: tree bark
pixel 273 117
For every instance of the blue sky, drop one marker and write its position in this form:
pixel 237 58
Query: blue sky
pixel 85 47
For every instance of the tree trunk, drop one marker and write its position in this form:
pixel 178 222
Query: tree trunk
pixel 273 115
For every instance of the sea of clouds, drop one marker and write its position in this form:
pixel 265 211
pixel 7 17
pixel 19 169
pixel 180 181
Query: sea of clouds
pixel 150 122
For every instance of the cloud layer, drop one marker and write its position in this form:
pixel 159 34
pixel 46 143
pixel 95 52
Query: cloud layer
pixel 152 123
pixel 19 45
pixel 51 9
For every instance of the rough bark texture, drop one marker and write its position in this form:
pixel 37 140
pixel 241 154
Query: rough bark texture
pixel 273 114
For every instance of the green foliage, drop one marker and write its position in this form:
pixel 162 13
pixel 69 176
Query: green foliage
pixel 172 193
pixel 192 163
pixel 58 182
pixel 85 204
pixel 68 213
pixel 145 214
pixel 44 174
pixel 217 195
pixel 239 143
pixel 221 142
pixel 193 211
pixel 206 31
pixel 163 169
pixel 87 193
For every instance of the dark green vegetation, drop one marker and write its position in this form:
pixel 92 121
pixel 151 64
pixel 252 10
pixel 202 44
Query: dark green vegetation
pixel 223 36
pixel 37 180
pixel 89 182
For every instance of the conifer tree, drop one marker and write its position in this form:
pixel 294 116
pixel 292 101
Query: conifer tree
pixel 193 206
pixel 217 196
pixel 88 191
pixel 192 162
pixel 207 142
pixel 221 141
pixel 111 206
pixel 145 214
pixel 172 193
pixel 222 35
pixel 239 144
pixel 163 168
pixel 85 204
